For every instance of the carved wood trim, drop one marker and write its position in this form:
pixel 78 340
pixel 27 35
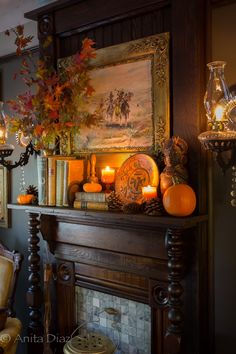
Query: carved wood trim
pixel 120 290
pixel 47 45
pixel 34 294
pixel 174 333
pixel 153 268
pixel 65 298
pixel 158 294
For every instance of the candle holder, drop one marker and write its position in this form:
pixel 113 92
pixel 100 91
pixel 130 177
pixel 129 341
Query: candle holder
pixel 149 192
pixel 108 177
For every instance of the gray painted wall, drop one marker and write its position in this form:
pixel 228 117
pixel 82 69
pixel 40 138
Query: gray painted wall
pixel 16 236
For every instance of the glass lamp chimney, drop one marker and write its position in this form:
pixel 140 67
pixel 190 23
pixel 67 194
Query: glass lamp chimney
pixel 217 96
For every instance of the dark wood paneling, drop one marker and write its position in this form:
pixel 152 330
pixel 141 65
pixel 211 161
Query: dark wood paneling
pixel 88 12
pixel 128 29
pixel 66 300
pixel 121 278
pixel 218 3
pixel 122 284
pixel 153 268
pixel 117 240
pixel 188 80
pixel 159 326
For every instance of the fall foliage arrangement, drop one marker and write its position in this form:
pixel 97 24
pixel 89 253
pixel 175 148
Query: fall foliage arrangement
pixel 54 103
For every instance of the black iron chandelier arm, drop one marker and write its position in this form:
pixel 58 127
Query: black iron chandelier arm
pixel 23 160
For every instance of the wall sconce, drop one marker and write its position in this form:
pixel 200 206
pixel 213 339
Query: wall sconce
pixel 220 108
pixel 7 149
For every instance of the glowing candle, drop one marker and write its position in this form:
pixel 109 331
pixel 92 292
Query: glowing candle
pixel 108 175
pixel 149 192
pixel 219 112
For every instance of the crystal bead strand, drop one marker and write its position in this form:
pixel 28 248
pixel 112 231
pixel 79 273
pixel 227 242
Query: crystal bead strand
pixel 233 186
pixel 22 181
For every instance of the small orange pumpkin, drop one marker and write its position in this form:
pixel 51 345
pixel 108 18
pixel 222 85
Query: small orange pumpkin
pixel 179 200
pixel 92 187
pixel 24 198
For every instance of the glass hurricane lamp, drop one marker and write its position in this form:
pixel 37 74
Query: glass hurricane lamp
pixel 7 149
pixel 220 106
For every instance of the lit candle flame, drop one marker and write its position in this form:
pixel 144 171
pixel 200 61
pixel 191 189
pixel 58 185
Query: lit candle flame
pixel 219 112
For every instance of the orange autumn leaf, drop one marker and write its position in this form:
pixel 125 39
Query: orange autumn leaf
pixel 53 115
pixel 56 105
pixel 89 91
pixel 20 29
pixel 38 130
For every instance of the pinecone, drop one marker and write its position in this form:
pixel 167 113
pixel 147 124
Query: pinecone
pixel 34 200
pixel 132 208
pixel 31 189
pixel 114 202
pixel 154 207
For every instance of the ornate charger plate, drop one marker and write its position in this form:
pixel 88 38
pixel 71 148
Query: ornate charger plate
pixel 137 171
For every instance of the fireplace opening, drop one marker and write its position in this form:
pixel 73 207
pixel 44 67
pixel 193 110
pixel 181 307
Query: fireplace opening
pixel 125 322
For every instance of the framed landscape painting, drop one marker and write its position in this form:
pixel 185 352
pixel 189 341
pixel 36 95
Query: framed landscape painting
pixel 131 82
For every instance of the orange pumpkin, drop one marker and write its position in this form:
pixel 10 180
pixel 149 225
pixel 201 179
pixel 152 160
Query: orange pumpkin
pixel 179 200
pixel 24 198
pixel 92 187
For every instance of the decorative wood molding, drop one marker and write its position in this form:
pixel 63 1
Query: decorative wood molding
pixel 175 290
pixel 65 273
pixel 34 293
pixel 158 294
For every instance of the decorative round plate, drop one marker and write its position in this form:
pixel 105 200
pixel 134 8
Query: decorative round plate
pixel 137 171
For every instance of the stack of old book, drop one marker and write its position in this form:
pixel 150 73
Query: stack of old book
pixel 55 175
pixel 91 200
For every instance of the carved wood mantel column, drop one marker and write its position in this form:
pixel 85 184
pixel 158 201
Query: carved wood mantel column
pixel 174 246
pixel 34 293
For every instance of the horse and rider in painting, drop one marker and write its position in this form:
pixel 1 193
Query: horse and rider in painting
pixel 117 108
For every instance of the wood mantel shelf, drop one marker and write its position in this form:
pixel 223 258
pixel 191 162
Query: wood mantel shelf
pixel 139 257
pixel 112 219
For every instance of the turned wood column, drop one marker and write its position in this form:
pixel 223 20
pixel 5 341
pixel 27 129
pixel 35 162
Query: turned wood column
pixel 34 293
pixel 174 333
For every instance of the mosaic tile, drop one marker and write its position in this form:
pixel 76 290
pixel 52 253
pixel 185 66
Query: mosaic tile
pixel 130 329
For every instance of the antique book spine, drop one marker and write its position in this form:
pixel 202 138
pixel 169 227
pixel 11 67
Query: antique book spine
pixel 73 172
pixel 42 179
pixel 59 182
pixel 84 205
pixel 65 184
pixel 52 180
pixel 90 196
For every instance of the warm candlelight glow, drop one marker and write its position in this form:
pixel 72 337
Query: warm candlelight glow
pixel 219 112
pixel 108 175
pixel 2 135
pixel 149 192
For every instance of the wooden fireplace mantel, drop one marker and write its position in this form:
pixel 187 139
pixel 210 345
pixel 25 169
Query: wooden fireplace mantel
pixel 143 258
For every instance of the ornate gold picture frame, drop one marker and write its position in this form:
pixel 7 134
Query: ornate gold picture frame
pixel 131 82
pixel 4 189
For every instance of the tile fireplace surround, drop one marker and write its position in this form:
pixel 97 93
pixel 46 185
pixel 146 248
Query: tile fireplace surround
pixel 137 259
pixel 130 329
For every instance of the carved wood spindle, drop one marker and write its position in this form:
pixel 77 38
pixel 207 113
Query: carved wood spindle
pixel 175 290
pixel 47 49
pixel 34 293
